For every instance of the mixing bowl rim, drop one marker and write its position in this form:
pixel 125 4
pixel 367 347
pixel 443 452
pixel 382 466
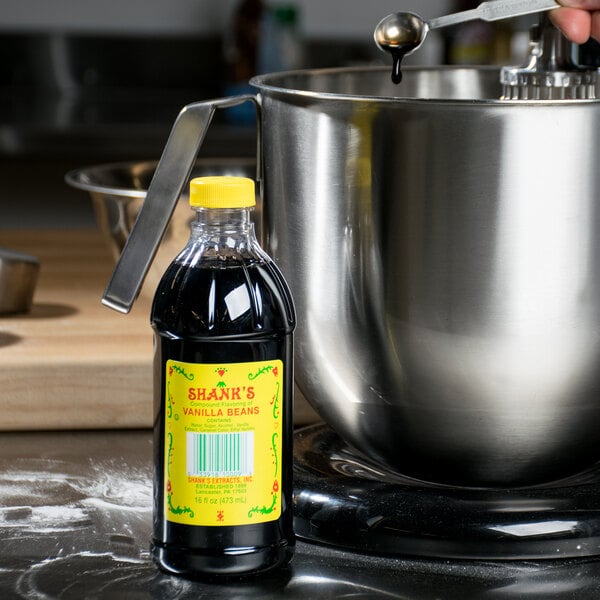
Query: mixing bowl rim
pixel 271 83
pixel 80 178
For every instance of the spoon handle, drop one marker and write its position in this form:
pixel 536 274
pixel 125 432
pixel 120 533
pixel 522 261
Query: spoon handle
pixel 494 10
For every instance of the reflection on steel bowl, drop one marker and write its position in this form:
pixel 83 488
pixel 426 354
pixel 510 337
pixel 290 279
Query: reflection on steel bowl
pixel 118 191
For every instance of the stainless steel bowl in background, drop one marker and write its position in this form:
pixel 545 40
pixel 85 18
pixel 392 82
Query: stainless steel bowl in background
pixel 118 190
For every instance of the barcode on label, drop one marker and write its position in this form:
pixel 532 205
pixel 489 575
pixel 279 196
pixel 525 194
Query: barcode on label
pixel 220 454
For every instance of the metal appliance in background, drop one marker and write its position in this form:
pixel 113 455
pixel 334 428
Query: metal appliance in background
pixel 441 244
pixel 18 278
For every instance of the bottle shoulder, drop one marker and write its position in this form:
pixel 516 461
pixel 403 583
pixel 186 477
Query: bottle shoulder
pixel 222 297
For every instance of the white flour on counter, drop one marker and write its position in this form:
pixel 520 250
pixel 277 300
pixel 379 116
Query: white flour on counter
pixel 44 519
pixel 44 496
pixel 112 484
pixel 83 575
pixel 31 484
pixel 79 526
pixel 129 489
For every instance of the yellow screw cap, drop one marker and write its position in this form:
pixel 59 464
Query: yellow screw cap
pixel 222 192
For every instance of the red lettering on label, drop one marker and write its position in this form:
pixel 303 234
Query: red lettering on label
pixel 242 411
pixel 218 393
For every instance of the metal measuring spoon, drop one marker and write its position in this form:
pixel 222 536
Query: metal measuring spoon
pixel 402 33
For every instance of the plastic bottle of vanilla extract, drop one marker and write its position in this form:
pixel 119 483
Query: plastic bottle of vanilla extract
pixel 223 320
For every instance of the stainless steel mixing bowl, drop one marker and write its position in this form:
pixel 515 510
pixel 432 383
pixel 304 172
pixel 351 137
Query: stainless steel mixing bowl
pixel 443 250
pixel 118 190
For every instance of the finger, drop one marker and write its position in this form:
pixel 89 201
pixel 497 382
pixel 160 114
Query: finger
pixel 583 4
pixel 596 26
pixel 575 24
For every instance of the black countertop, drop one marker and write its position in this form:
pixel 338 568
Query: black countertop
pixel 75 518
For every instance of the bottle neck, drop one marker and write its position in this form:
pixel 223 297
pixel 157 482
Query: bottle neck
pixel 226 231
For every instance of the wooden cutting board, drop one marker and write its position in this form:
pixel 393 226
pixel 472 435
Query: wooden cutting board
pixel 72 363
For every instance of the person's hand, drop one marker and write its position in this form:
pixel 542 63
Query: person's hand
pixel 578 20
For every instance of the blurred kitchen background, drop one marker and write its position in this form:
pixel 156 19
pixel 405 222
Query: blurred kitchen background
pixel 85 82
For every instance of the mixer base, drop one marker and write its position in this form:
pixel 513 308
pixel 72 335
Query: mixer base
pixel 344 500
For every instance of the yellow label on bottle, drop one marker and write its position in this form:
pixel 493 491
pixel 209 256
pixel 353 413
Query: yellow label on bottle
pixel 223 446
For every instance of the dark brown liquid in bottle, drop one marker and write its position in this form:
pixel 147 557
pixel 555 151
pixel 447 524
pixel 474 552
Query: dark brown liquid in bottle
pixel 188 299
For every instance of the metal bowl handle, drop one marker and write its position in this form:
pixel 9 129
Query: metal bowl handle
pixel 170 177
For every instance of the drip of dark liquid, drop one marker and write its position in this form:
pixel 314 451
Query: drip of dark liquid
pixel 398 52
pixel 397 58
